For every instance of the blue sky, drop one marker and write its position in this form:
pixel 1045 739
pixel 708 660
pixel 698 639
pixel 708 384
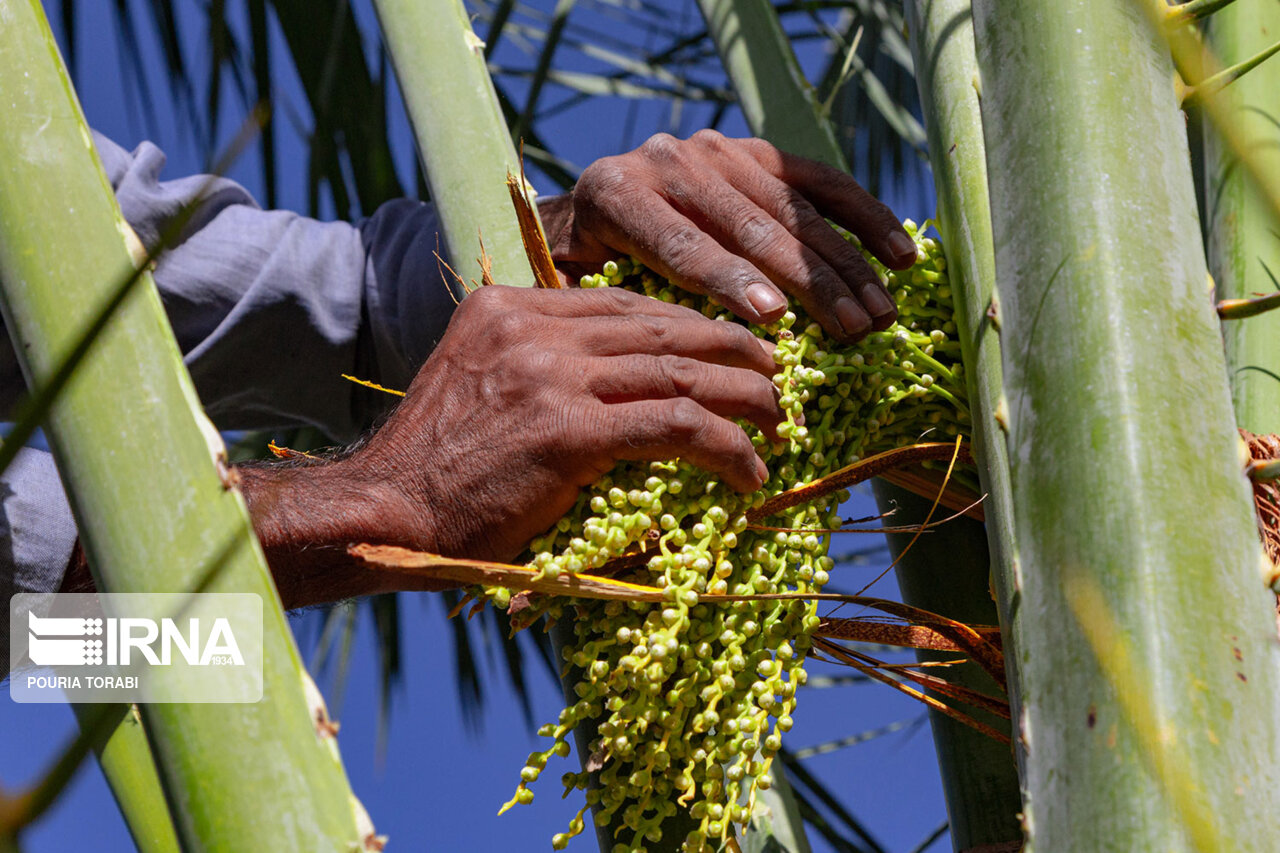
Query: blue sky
pixel 442 780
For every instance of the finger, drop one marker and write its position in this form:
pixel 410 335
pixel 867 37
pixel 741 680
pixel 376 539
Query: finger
pixel 706 340
pixel 667 429
pixel 675 247
pixel 841 198
pixel 576 302
pixel 614 321
pixel 748 230
pixel 794 213
pixel 726 391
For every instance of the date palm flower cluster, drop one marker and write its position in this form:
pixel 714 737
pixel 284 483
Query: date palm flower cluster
pixel 688 698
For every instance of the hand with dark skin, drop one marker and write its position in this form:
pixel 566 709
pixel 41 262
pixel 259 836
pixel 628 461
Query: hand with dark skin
pixel 740 221
pixel 529 396
pixel 532 395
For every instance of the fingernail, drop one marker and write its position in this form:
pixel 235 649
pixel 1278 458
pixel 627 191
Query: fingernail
pixel 902 246
pixel 878 302
pixel 765 299
pixel 762 470
pixel 852 319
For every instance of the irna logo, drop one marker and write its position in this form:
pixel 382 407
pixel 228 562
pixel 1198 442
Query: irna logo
pixel 91 641
pixel 135 647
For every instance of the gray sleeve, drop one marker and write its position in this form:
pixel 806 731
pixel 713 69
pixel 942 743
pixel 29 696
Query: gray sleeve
pixel 272 308
pixel 36 528
pixel 37 533
pixel 269 308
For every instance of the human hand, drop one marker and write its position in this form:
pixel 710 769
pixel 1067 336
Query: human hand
pixel 529 396
pixel 740 221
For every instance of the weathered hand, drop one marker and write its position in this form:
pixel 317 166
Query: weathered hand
pixel 737 219
pixel 530 395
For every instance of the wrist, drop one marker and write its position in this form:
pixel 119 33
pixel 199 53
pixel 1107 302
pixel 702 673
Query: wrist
pixel 307 516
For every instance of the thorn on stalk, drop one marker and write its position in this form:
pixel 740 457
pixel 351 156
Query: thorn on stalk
pixel 370 840
pixel 1239 309
pixel 1264 472
pixel 326 727
pixel 229 476
pixel 1002 414
pixel 1212 85
pixel 1196 10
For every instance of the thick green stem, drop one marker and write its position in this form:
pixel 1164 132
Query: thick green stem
pixel 983 809
pixel 462 138
pixel 979 778
pixel 140 465
pixel 778 102
pixel 1142 637
pixel 126 761
pixel 1244 236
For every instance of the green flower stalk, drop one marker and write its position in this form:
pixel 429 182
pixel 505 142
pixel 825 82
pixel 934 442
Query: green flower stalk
pixel 462 138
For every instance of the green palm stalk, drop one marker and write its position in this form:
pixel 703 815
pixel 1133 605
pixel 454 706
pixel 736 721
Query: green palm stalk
pixel 776 99
pixel 978 774
pixel 1143 636
pixel 980 781
pixel 462 138
pixel 1244 235
pixel 126 762
pixel 237 776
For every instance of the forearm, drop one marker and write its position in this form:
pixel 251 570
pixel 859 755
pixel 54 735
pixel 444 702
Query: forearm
pixel 307 516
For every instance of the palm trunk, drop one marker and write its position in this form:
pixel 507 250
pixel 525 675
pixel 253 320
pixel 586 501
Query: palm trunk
pixel 1141 635
pixel 237 776
pixel 979 777
pixel 1244 249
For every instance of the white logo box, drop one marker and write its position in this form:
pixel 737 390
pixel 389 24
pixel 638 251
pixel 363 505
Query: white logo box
pixel 135 647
